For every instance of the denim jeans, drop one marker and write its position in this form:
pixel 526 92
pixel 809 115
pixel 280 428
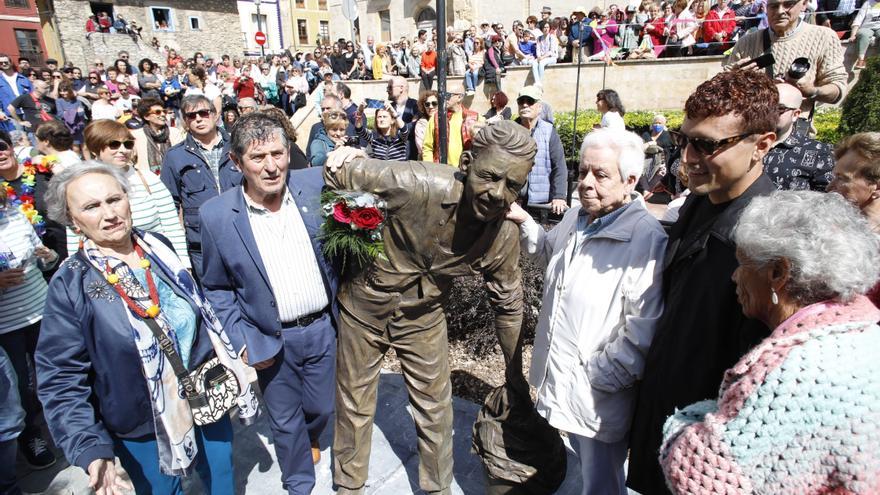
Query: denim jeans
pixel 11 424
pixel 140 458
pixel 471 79
pixel 538 68
pixel 19 346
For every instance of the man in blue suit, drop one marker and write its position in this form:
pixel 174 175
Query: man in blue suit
pixel 264 273
pixel 12 85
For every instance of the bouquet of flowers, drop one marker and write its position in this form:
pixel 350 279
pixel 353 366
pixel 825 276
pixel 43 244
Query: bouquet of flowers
pixel 352 228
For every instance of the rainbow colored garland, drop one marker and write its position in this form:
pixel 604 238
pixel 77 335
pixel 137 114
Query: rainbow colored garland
pixel 23 199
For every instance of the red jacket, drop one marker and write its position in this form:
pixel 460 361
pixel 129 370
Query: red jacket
pixel 715 24
pixel 244 88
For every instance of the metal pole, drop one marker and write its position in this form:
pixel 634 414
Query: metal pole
pixel 260 28
pixel 442 121
pixel 574 136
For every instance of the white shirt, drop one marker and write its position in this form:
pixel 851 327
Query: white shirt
pixel 613 120
pixel 287 254
pixel 11 81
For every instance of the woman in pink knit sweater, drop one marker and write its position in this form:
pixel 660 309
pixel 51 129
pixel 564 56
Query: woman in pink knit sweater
pixel 800 413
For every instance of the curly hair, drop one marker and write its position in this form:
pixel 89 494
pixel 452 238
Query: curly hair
pixel 423 97
pixel 748 94
pixel 827 241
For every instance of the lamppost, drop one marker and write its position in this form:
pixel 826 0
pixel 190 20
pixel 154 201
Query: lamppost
pixel 260 27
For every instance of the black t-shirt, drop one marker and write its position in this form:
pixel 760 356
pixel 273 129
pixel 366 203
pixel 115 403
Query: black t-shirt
pixel 702 218
pixel 347 61
pixel 26 104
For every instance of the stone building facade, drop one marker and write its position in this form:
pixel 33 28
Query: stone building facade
pixel 209 26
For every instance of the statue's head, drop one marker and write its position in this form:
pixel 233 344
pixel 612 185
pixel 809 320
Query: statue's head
pixel 497 167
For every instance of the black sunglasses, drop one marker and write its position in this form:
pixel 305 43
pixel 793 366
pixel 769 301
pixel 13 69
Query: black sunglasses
pixel 706 147
pixel 431 104
pixel 525 100
pixel 784 108
pixel 115 145
pixel 4 146
pixel 200 113
pixel 447 95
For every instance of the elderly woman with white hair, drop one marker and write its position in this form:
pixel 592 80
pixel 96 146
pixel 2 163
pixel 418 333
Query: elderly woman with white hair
pixel 602 300
pixel 131 356
pixel 799 412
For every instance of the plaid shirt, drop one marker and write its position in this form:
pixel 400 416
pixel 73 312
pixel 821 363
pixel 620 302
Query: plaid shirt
pixel 212 157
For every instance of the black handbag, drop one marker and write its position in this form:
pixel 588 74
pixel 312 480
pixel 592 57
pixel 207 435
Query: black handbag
pixel 211 389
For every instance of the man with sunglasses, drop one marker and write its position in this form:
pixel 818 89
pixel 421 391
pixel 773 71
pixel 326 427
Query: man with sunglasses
pixel 797 162
pixel 12 85
pixel 548 180
pixel 198 169
pixel 725 135
pixel 789 37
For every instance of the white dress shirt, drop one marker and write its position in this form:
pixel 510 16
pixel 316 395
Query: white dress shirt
pixel 287 254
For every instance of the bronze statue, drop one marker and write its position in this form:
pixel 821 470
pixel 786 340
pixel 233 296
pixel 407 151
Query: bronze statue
pixel 443 222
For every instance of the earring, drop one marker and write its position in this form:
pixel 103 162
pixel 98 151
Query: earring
pixel 773 297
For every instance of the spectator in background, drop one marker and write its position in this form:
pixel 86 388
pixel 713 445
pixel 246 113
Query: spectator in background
pixel 12 85
pixel 703 332
pixel 580 34
pixel 54 138
pixel 493 66
pixel 681 30
pixel 71 111
pixel 89 90
pixel 796 162
pixel 429 103
pixel 398 96
pixel 199 85
pixel 865 26
pixel 457 56
pixel 609 105
pixel 498 108
pixel 791 38
pixel 857 178
pixel 428 66
pixel 335 123
pixel 76 77
pixel 656 29
pixel 603 34
pixel 474 65
pixel 155 138
pixel 104 22
pixel 462 124
pixel 295 90
pixel 547 51
pixel 383 67
pixel 348 106
pixel 126 74
pixel 35 107
pixel 718 28
pixel 103 108
pixel 150 83
pixel 91 26
pixel 173 58
pixel 548 179
pixel 244 86
pixel 389 139
pixel 119 25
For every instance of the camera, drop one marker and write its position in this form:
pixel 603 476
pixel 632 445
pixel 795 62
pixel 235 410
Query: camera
pixel 798 68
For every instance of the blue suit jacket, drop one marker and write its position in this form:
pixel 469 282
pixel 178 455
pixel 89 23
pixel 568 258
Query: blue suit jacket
pixel 7 95
pixel 234 277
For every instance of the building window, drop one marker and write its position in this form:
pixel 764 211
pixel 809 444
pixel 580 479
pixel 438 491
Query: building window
pixel 300 4
pixel 23 4
pixel 195 23
pixel 427 19
pixel 302 31
pixel 29 45
pixel 385 24
pixel 161 18
pixel 324 32
pixel 262 25
pixel 322 4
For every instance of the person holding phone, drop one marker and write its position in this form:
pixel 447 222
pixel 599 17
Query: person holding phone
pixel 389 139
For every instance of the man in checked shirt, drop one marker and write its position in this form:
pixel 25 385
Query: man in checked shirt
pixel 442 223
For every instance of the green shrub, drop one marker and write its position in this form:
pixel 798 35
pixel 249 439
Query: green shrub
pixel 861 109
pixel 638 121
pixel 827 124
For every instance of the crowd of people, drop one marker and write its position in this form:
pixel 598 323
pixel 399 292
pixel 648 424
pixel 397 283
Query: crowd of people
pixel 161 222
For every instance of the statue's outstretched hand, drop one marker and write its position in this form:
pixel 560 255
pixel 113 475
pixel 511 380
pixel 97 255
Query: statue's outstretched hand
pixel 337 158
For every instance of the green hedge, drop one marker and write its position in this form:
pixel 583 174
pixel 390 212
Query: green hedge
pixel 640 121
pixel 861 109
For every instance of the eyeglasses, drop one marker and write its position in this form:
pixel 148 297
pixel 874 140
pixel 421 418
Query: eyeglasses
pixel 525 101
pixel 705 147
pixel 198 113
pixel 156 112
pixel 4 62
pixel 242 109
pixel 115 145
pixel 56 77
pixel 784 108
pixel 335 114
pixel 93 77
pixel 431 103
pixel 449 95
pixel 99 63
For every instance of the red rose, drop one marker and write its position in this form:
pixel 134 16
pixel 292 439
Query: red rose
pixel 367 218
pixel 341 212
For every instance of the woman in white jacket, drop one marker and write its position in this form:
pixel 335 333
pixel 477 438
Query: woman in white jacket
pixel 602 299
